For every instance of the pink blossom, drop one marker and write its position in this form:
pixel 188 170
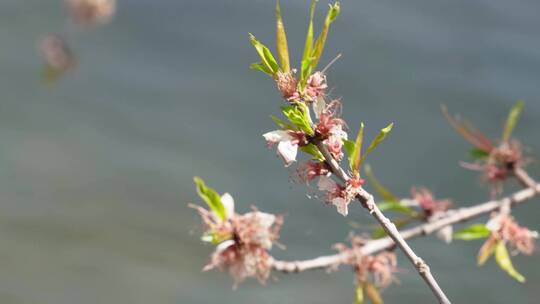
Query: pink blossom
pixel 315 86
pixel 310 170
pixel 329 128
pixel 340 196
pixel 328 123
pixel 503 227
pixel 335 145
pixel 428 203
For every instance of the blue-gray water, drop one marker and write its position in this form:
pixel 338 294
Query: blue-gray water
pixel 96 172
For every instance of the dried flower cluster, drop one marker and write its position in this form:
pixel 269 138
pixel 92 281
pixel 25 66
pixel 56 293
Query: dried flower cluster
pixel 428 203
pixel 243 241
pixel 496 162
pixel 379 268
pixel 504 228
pixel 292 91
pixel 340 196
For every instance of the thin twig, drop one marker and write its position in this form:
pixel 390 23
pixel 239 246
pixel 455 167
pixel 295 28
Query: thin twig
pixel 369 203
pixel 523 177
pixel 452 217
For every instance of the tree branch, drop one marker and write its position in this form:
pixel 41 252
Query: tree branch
pixel 452 217
pixel 369 203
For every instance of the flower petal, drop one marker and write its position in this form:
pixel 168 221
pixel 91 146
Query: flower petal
pixel 266 220
pixel 224 245
pixel 337 130
pixel 326 184
pixel 287 150
pixel 277 136
pixel 494 224
pixel 341 205
pixel 445 234
pixel 228 202
pixel 319 106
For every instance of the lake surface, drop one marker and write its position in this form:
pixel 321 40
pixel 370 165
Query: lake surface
pixel 96 172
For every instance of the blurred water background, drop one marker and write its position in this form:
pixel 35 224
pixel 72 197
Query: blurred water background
pixel 96 172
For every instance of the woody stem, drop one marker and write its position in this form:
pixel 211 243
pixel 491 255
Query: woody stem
pixel 452 217
pixel 369 203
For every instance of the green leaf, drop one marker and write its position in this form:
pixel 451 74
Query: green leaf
pixel 306 72
pixel 383 191
pixel 395 206
pixel 354 159
pixel 281 40
pixel 359 295
pixel 211 197
pixel 473 232
pixel 332 14
pixel 298 117
pixel 512 119
pixel 280 123
pixel 486 251
pixel 261 67
pixel 348 145
pixel 380 137
pixel 503 259
pixel 372 293
pixel 308 46
pixel 267 59
pixel 478 154
pixel 312 150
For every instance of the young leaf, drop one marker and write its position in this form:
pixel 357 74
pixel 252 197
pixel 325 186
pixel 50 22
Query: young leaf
pixel 503 259
pixel 395 206
pixel 305 72
pixel 372 293
pixel 267 59
pixel 383 191
pixel 473 232
pixel 211 197
pixel 380 137
pixel 359 295
pixel 468 131
pixel 308 46
pixel 512 119
pixel 478 154
pixel 354 159
pixel 348 145
pixel 280 123
pixel 486 251
pixel 298 118
pixel 312 150
pixel 261 67
pixel 318 48
pixel 281 41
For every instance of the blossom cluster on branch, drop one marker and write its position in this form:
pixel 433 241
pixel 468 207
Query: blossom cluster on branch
pixel 313 125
